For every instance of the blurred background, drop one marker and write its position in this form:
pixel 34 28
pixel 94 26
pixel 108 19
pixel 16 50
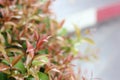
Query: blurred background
pixel 102 17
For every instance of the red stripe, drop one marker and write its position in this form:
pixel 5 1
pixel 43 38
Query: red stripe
pixel 108 12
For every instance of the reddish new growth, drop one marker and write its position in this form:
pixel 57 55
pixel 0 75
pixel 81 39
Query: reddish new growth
pixel 31 48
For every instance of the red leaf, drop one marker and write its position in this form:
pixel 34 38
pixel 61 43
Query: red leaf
pixel 30 49
pixel 36 36
pixel 60 77
pixel 46 7
pixel 41 41
pixel 16 59
pixel 3 67
pixel 68 59
pixel 1 2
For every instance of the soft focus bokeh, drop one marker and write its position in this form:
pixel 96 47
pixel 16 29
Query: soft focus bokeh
pixel 106 33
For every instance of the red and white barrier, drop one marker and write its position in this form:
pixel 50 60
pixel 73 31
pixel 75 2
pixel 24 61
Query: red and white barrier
pixel 92 16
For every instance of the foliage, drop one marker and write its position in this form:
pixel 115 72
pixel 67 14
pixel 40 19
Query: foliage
pixel 32 44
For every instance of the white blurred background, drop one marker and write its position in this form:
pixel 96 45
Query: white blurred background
pixel 105 34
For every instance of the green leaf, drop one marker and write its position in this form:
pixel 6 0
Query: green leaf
pixel 43 1
pixel 5 37
pixel 47 22
pixel 45 51
pixel 40 61
pixel 77 31
pixel 39 11
pixel 24 45
pixel 66 49
pixel 5 62
pixel 74 50
pixel 3 76
pixel 20 66
pixel 19 6
pixel 30 78
pixel 2 39
pixel 90 41
pixel 43 76
pixel 62 32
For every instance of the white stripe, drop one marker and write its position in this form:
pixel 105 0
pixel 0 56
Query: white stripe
pixel 82 19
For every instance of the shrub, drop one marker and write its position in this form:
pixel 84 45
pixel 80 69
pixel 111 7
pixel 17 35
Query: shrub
pixel 33 46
